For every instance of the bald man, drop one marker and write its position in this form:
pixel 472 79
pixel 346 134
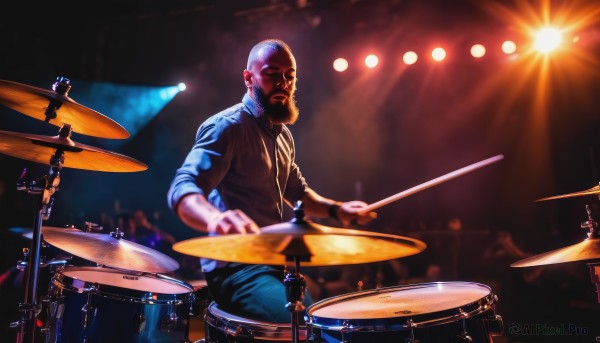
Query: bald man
pixel 238 176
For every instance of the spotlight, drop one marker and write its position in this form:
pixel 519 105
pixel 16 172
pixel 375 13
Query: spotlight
pixel 438 54
pixel 181 86
pixel 509 47
pixel 477 50
pixel 547 39
pixel 371 61
pixel 340 64
pixel 410 57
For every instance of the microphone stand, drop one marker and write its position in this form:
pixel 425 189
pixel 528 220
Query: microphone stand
pixel 44 192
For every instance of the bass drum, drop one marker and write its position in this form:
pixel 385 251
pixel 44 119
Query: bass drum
pixel 223 327
pixel 431 312
pixel 94 304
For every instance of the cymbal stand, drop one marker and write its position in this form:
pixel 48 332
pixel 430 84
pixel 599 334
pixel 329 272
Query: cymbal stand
pixel 593 233
pixel 295 283
pixel 44 192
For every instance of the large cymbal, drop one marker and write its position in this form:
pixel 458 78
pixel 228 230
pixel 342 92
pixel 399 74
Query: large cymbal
pixel 34 101
pixel 109 251
pixel 38 148
pixel 592 191
pixel 311 243
pixel 589 249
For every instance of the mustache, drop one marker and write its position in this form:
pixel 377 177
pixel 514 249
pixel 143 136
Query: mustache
pixel 279 91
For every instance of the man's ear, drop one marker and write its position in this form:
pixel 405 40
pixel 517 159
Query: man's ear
pixel 248 78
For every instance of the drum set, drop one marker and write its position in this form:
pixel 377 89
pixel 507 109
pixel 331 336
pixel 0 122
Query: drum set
pixel 432 312
pixel 122 296
pixel 125 295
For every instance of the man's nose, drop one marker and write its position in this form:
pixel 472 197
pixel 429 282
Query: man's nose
pixel 283 82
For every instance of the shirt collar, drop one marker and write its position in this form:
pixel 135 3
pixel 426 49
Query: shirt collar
pixel 254 111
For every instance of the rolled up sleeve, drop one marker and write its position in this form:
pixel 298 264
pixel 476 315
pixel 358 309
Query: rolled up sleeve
pixel 207 162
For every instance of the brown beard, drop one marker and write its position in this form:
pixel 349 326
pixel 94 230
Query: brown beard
pixel 277 113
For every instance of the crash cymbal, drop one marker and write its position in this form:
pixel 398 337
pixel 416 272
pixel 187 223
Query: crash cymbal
pixel 38 148
pixel 313 244
pixel 33 101
pixel 592 191
pixel 106 250
pixel 589 249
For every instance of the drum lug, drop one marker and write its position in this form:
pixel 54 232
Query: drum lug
pixel 140 323
pixel 411 324
pixel 88 314
pixel 169 323
pixel 494 325
pixel 312 338
pixel 89 311
pixel 464 338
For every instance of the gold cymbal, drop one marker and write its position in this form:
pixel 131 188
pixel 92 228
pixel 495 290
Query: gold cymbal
pixel 589 249
pixel 39 148
pixel 592 191
pixel 313 244
pixel 33 101
pixel 106 250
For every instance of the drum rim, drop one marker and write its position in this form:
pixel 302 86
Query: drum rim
pixel 66 282
pixel 474 308
pixel 255 328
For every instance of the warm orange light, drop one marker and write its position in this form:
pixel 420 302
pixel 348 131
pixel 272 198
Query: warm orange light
pixel 547 40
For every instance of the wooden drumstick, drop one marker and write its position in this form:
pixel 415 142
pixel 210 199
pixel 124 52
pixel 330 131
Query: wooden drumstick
pixel 431 183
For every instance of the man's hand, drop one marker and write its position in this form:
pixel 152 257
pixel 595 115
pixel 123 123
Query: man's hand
pixel 230 222
pixel 350 213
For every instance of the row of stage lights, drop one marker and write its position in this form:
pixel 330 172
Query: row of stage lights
pixel 546 41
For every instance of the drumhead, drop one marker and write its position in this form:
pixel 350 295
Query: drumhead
pixel 422 303
pixel 113 281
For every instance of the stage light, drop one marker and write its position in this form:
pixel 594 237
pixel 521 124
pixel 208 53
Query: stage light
pixel 478 51
pixel 133 106
pixel 340 64
pixel 410 57
pixel 509 47
pixel 181 86
pixel 547 39
pixel 438 54
pixel 371 61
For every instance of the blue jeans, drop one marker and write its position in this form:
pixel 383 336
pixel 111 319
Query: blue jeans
pixel 252 291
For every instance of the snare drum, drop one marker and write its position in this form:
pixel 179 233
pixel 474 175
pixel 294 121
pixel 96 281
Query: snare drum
pixel 223 327
pixel 94 304
pixel 431 312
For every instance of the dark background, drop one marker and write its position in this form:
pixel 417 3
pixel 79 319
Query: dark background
pixel 365 134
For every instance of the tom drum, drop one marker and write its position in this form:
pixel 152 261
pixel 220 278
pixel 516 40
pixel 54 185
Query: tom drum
pixel 431 312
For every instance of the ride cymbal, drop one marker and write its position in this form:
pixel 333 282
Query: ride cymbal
pixel 592 191
pixel 39 148
pixel 313 244
pixel 35 102
pixel 109 251
pixel 589 249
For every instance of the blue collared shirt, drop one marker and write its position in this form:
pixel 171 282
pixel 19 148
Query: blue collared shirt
pixel 241 161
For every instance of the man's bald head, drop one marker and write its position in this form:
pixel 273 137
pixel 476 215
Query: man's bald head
pixel 274 44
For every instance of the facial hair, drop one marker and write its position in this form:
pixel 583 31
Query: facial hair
pixel 277 113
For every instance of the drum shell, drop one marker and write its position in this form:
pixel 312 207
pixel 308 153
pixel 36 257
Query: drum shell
pixel 92 305
pixel 477 319
pixel 223 327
